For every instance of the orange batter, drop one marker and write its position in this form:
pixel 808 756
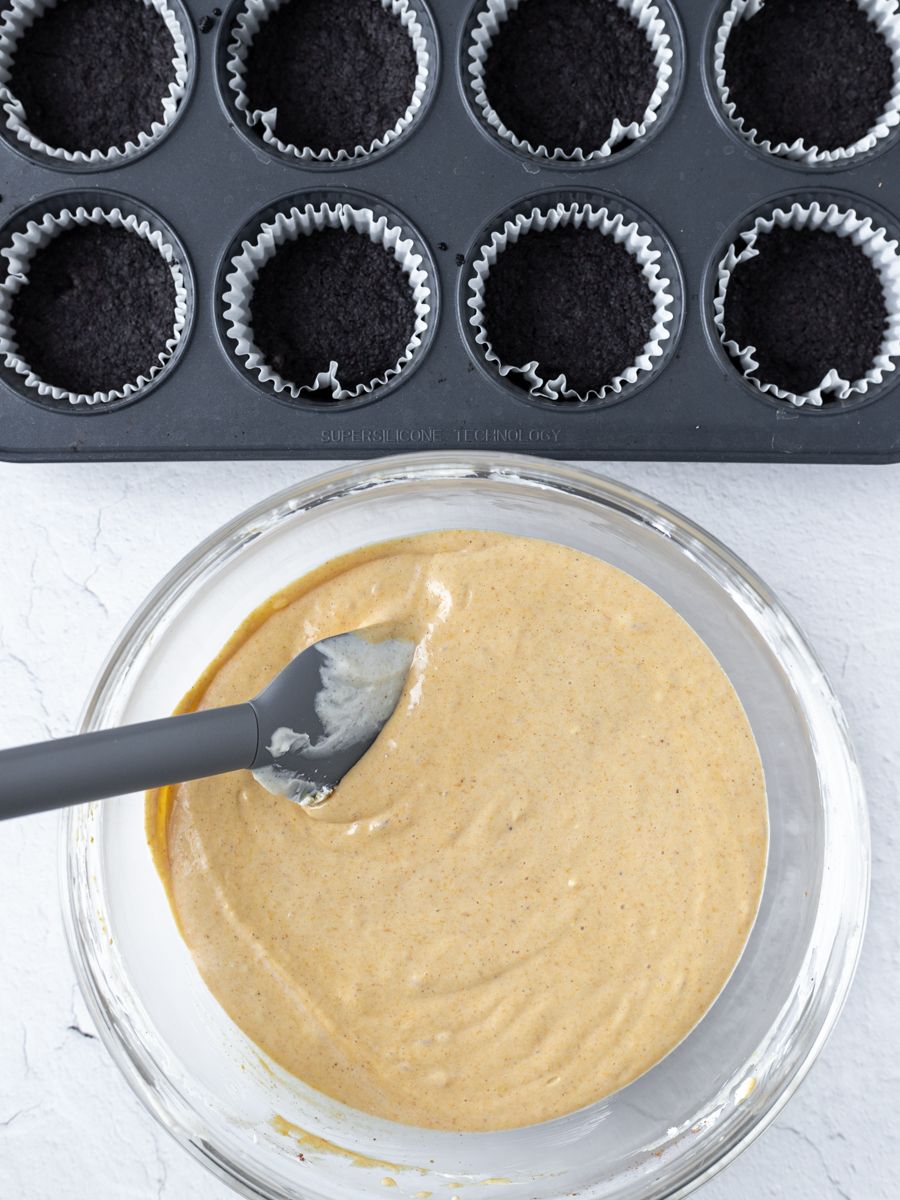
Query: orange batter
pixel 533 885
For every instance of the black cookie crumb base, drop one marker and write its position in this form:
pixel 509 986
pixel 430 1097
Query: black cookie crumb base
pixel 573 299
pixel 92 74
pixel 332 296
pixel 339 75
pixel 809 301
pixel 812 69
pixel 207 187
pixel 96 311
pixel 207 23
pixel 559 72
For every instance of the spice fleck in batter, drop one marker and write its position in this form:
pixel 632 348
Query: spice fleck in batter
pixel 533 885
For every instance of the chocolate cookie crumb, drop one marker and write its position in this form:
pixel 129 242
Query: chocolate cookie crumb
pixel 809 301
pixel 339 75
pixel 97 310
pixel 560 71
pixel 332 296
pixel 812 69
pixel 572 299
pixel 92 74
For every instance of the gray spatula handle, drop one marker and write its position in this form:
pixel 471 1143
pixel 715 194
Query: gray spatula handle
pixel 132 758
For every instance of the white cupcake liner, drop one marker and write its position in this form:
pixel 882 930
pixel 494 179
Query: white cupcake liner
pixel 886 18
pixel 301 222
pixel 22 250
pixel 246 26
pixel 648 18
pixel 16 18
pixel 878 247
pixel 625 233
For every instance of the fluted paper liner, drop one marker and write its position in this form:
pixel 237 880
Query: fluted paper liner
pixel 19 254
pixel 614 225
pixel 878 248
pixel 301 222
pixel 18 16
pixel 648 18
pixel 884 16
pixel 246 25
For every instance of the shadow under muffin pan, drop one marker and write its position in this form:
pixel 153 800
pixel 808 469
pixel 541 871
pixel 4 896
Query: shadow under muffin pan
pixel 449 183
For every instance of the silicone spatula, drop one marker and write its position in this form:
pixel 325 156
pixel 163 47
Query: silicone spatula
pixel 299 736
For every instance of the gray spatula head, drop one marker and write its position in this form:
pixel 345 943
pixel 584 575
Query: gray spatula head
pixel 324 711
pixel 300 736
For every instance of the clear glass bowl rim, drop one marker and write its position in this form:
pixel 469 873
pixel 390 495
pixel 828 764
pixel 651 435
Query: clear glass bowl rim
pixel 841 790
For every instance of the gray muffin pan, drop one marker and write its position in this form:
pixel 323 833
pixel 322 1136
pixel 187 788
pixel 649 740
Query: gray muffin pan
pixel 447 182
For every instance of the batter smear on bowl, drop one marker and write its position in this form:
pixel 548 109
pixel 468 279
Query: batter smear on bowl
pixel 535 883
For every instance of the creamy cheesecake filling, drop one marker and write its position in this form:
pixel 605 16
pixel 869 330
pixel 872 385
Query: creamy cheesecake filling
pixel 535 883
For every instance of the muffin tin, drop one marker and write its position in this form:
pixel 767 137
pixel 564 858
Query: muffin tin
pixel 448 181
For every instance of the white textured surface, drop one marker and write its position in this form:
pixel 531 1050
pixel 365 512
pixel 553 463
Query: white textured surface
pixel 79 548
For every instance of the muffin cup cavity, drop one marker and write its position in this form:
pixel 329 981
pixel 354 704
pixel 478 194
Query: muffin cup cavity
pixel 624 232
pixel 26 243
pixel 882 251
pixel 884 15
pixel 288 225
pixel 488 24
pixel 245 27
pixel 17 17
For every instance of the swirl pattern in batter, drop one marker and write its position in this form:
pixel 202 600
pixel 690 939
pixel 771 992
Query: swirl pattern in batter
pixel 534 884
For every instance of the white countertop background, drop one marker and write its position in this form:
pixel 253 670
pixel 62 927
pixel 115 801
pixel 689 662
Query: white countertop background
pixel 81 545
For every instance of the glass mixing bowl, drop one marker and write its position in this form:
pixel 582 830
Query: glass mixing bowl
pixel 267 1134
